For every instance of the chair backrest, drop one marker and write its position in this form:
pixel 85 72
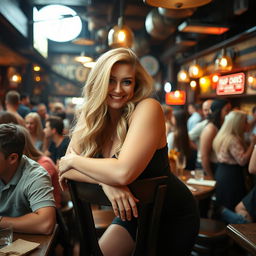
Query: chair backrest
pixel 150 192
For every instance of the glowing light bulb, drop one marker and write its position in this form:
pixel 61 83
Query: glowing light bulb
pixel 121 36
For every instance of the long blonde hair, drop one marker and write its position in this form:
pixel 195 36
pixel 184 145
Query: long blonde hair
pixel 232 127
pixel 93 116
pixel 39 128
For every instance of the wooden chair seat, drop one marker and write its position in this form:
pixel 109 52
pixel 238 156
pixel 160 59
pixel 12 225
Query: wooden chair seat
pixel 212 238
pixel 150 193
pixel 102 219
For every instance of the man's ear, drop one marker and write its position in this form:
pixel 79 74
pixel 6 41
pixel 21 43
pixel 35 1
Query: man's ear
pixel 13 158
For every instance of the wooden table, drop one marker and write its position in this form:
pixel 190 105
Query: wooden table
pixel 244 235
pixel 201 192
pixel 46 242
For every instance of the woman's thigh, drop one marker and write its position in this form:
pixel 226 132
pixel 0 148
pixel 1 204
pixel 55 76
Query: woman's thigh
pixel 116 241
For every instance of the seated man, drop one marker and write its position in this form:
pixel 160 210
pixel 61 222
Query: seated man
pixel 56 143
pixel 26 192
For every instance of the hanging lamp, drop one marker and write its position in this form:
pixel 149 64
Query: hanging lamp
pixel 120 35
pixel 223 62
pixel 183 76
pixel 195 70
pixel 177 4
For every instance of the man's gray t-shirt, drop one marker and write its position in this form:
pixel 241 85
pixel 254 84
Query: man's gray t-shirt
pixel 29 190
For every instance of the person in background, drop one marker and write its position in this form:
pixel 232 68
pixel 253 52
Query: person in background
pixel 206 108
pixel 33 153
pixel 58 109
pixel 252 121
pixel 7 117
pixel 24 106
pixel 41 109
pixel 195 133
pixel 120 137
pixel 219 109
pixel 34 126
pixel 12 101
pixel 178 139
pixel 26 198
pixel 58 143
pixel 232 155
pixel 168 116
pixel 245 210
pixel 195 117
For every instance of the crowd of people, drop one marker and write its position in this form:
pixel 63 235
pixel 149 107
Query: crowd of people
pixel 223 138
pixel 118 110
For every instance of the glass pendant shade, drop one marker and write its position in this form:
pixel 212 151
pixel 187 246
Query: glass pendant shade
pixel 183 76
pixel 223 62
pixel 120 35
pixel 177 4
pixel 195 71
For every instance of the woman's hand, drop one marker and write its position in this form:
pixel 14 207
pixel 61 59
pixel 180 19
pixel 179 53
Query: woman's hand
pixel 66 162
pixel 63 182
pixel 122 200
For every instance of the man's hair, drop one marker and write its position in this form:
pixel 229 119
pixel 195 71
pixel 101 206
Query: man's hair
pixel 56 123
pixel 12 97
pixel 12 140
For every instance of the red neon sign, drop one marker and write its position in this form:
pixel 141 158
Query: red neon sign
pixel 175 98
pixel 231 84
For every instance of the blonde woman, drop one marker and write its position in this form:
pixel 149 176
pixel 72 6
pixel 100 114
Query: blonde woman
pixel 232 155
pixel 35 128
pixel 33 153
pixel 120 137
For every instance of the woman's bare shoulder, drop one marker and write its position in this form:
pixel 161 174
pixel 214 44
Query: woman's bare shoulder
pixel 149 102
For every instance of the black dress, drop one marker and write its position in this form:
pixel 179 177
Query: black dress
pixel 230 185
pixel 180 218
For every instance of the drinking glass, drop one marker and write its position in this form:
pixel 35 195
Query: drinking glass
pixel 181 164
pixel 6 234
pixel 199 174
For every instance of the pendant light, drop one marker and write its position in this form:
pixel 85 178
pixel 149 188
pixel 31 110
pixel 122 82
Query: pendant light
pixel 183 76
pixel 195 70
pixel 223 62
pixel 120 35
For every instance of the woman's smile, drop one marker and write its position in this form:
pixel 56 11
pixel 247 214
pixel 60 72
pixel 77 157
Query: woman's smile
pixel 121 85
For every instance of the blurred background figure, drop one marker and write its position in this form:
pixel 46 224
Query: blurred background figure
pixel 252 121
pixel 35 128
pixel 24 106
pixel 58 109
pixel 245 211
pixel 12 101
pixel 178 138
pixel 7 117
pixel 55 144
pixel 219 109
pixel 195 116
pixel 195 133
pixel 167 115
pixel 232 155
pixel 206 108
pixel 41 109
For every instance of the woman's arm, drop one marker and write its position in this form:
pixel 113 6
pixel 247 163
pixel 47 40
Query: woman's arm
pixel 206 140
pixel 238 152
pixel 252 163
pixel 146 134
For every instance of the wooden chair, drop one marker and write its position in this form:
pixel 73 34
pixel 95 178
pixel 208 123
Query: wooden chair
pixel 212 238
pixel 151 194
